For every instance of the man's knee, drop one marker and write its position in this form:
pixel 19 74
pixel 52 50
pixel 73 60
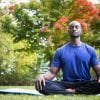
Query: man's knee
pixel 46 89
pixel 93 87
pixel 53 87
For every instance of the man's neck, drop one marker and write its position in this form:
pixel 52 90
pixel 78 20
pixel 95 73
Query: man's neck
pixel 75 41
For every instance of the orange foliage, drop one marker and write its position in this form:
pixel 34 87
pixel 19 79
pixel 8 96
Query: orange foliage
pixel 87 9
pixel 11 7
pixel 97 17
pixel 85 26
pixel 62 20
pixel 59 24
pixel 85 12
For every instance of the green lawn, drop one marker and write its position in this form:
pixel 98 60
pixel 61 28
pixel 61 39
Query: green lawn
pixel 51 97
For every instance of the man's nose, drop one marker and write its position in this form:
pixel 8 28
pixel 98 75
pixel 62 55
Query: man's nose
pixel 74 29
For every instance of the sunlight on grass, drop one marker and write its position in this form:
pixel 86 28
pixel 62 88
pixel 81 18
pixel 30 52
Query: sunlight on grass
pixel 53 97
pixel 22 87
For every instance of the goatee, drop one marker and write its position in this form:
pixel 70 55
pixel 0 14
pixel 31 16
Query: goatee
pixel 73 36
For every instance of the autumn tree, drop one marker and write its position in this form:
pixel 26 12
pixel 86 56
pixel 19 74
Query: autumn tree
pixel 84 11
pixel 43 24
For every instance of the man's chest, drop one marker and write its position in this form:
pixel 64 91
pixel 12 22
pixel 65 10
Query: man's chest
pixel 75 55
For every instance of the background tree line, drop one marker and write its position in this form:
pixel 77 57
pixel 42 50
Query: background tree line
pixel 30 33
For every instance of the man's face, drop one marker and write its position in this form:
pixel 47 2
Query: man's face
pixel 74 29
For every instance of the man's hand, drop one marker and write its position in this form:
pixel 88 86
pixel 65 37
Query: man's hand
pixel 98 77
pixel 97 71
pixel 40 82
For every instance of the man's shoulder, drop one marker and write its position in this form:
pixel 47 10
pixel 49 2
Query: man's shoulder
pixel 63 47
pixel 89 47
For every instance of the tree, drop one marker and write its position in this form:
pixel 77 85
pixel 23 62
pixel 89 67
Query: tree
pixel 43 24
pixel 15 63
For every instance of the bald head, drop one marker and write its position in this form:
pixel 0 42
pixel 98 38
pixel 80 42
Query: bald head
pixel 74 22
pixel 74 29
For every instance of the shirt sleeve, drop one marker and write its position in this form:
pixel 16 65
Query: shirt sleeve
pixel 94 58
pixel 56 62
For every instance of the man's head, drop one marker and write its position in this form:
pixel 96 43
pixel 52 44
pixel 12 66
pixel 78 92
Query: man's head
pixel 74 29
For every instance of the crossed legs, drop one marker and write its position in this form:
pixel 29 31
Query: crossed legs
pixel 63 87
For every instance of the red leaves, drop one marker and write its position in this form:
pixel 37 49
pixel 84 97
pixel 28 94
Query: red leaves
pixel 85 26
pixel 11 7
pixel 62 20
pixel 94 12
pixel 59 24
pixel 83 11
pixel 87 9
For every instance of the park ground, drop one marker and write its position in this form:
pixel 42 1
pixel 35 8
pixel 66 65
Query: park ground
pixel 50 97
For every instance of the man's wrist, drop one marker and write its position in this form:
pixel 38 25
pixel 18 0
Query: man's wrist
pixel 98 75
pixel 43 75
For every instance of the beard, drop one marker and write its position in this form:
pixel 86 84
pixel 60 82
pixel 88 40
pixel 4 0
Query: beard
pixel 74 36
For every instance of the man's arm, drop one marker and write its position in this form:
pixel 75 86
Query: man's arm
pixel 47 76
pixel 51 73
pixel 97 71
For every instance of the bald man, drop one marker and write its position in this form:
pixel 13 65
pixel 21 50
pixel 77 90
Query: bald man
pixel 75 60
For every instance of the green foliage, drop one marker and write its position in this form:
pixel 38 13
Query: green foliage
pixel 98 52
pixel 91 39
pixel 25 24
pixel 29 38
pixel 56 8
pixel 26 21
pixel 16 67
pixel 95 26
pixel 7 23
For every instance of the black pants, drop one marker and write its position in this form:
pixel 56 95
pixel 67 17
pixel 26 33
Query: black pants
pixel 58 87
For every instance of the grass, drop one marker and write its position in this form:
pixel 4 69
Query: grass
pixel 51 97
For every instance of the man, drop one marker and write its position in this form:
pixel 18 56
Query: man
pixel 75 60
